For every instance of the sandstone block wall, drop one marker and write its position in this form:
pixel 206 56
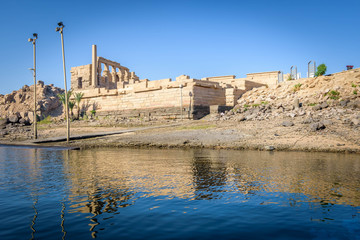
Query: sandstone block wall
pixel 266 78
pixel 115 89
pixel 81 77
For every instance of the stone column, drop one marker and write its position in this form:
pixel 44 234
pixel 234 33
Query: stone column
pixel 120 75
pixel 113 76
pixel 94 67
pixel 126 76
pixel 107 75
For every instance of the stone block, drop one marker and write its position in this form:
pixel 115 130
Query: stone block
pixel 14 118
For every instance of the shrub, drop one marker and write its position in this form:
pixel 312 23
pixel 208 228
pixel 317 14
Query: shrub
pixel 312 104
pixel 297 87
pixel 335 95
pixel 46 120
pixel 353 85
pixel 355 92
pixel 93 112
pixel 321 70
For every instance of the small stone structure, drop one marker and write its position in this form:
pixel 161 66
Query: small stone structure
pixel 111 89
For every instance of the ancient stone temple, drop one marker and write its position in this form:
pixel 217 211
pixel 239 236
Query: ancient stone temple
pixel 111 89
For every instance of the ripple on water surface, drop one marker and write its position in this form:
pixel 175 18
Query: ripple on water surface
pixel 176 194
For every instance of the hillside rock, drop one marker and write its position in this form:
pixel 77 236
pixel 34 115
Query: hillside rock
pixel 18 105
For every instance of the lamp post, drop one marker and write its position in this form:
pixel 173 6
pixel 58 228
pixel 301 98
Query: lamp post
pixel 181 101
pixel 33 41
pixel 60 29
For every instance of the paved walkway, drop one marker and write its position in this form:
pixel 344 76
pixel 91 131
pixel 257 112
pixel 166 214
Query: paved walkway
pixel 98 134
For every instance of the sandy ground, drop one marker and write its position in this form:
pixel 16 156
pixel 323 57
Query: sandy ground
pixel 260 135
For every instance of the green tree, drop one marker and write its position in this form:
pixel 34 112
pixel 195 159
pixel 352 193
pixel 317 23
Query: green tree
pixel 78 98
pixel 62 98
pixel 321 70
pixel 71 107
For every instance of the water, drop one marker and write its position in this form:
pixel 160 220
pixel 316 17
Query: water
pixel 178 194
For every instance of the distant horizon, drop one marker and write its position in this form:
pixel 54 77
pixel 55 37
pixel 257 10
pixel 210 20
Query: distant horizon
pixel 165 39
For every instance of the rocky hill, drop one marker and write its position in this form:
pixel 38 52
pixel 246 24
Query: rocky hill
pixel 335 96
pixel 17 107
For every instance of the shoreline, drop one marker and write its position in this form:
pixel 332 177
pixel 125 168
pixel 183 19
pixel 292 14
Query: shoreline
pixel 269 135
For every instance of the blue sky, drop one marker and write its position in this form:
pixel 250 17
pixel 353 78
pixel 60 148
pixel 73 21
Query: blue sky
pixel 164 39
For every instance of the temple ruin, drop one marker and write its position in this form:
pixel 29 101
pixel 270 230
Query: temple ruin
pixel 111 89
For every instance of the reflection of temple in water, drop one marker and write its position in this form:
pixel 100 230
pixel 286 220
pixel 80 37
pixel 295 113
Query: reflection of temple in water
pixel 108 180
pixel 111 181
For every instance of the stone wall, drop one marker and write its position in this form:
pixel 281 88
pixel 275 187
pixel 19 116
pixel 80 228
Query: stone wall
pixel 267 78
pixel 116 90
pixel 81 77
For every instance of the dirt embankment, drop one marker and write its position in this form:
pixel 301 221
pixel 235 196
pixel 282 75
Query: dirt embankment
pixel 317 114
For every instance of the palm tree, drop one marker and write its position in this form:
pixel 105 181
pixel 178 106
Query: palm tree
pixel 71 106
pixel 78 98
pixel 62 98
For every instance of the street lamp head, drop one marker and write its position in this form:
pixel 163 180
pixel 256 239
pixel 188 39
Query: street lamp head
pixel 35 35
pixel 30 40
pixel 57 29
pixel 60 24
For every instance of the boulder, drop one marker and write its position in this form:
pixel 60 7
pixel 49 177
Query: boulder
pixel 344 103
pixel 22 121
pixel 240 118
pixel 31 117
pixel 308 120
pixel 287 123
pixel 327 122
pixel 41 83
pixel 14 118
pixel 355 122
pixel 316 126
pixel 317 108
pixel 324 105
pixel 25 88
pixel 354 104
pixel 3 133
pixel 269 148
pixel 251 116
pixel 296 103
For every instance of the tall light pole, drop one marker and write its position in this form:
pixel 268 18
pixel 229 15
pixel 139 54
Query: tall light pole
pixel 33 41
pixel 60 29
pixel 181 101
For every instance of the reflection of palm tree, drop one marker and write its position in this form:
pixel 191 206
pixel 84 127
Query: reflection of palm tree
pixel 106 200
pixel 93 225
pixel 33 221
pixel 62 216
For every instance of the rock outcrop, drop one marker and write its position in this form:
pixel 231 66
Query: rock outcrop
pixel 17 107
pixel 317 102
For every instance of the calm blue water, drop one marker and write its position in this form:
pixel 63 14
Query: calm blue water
pixel 178 194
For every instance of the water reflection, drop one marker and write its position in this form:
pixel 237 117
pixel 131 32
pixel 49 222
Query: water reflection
pixel 32 226
pixel 89 188
pixel 111 181
pixel 209 175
